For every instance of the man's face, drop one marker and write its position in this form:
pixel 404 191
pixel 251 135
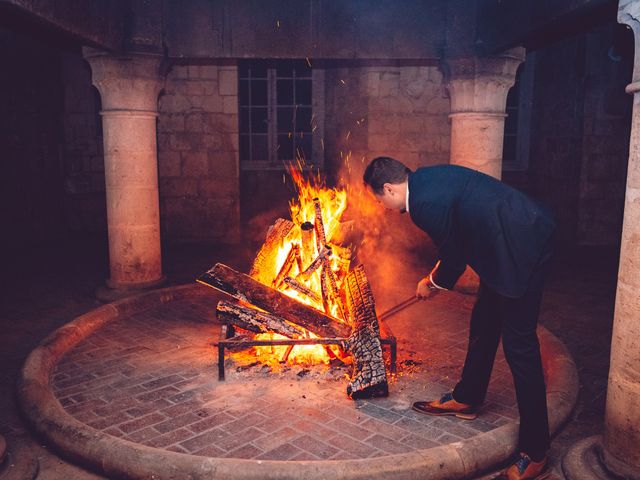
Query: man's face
pixel 391 198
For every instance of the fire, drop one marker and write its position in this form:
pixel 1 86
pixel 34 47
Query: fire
pixel 300 355
pixel 308 265
pixel 333 203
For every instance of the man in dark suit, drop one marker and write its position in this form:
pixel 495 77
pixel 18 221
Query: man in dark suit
pixel 506 237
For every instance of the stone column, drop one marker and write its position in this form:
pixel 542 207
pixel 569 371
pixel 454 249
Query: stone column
pixel 478 90
pixel 621 441
pixel 129 88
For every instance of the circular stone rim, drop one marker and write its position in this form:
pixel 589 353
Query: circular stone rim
pixel 122 458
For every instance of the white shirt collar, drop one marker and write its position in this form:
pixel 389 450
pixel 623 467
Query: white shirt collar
pixel 407 198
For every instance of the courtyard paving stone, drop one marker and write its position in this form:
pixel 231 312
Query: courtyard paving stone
pixel 151 378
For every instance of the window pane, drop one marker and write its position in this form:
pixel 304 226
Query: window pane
pixel 303 92
pixel 244 120
pixel 259 148
pixel 258 69
pixel 243 92
pixel 258 92
pixel 285 119
pixel 259 123
pixel 285 92
pixel 285 147
pixel 302 68
pixel 303 146
pixel 243 69
pixel 244 148
pixel 303 119
pixel 284 68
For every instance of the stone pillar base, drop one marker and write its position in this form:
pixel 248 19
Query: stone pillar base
pixel 583 461
pixel 111 293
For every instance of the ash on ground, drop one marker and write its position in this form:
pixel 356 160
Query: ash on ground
pixel 335 370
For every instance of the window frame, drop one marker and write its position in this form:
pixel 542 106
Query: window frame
pixel 317 114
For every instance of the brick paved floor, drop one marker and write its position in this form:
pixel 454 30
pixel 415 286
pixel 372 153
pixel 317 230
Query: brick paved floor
pixel 43 288
pixel 151 378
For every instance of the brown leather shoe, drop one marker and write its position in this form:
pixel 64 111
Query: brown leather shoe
pixel 447 406
pixel 526 469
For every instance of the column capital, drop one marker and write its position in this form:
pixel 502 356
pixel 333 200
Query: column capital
pixel 129 82
pixel 481 84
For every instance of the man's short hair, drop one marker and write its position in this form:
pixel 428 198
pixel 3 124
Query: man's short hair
pixel 383 170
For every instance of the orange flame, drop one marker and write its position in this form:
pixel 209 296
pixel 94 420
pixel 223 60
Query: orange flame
pixel 333 203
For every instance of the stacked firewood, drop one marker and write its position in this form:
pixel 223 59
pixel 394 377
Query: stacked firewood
pixel 262 306
pixel 313 255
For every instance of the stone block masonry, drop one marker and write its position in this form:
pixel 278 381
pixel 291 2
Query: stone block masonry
pixel 399 111
pixel 198 154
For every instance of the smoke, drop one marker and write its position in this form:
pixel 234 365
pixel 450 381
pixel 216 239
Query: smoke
pixel 394 252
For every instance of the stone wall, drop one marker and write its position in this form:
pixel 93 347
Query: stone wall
pixel 398 111
pixel 53 179
pixel 198 154
pixel 580 135
pixel 606 130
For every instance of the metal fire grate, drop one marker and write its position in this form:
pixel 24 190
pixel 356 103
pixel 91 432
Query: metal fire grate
pixel 229 340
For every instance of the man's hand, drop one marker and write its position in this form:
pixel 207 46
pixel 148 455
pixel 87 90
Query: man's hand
pixel 426 289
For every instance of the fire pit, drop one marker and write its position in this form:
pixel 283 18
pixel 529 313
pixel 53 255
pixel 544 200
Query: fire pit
pixel 232 340
pixel 303 293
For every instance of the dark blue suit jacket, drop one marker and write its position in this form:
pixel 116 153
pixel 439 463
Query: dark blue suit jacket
pixel 479 221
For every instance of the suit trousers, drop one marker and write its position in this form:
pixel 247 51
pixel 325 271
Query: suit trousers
pixel 515 320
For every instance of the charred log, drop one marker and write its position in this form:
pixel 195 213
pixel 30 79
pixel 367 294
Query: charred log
pixel 300 288
pixel 324 290
pixel 325 253
pixel 245 288
pixel 331 279
pixel 254 320
pixel 369 378
pixel 292 257
pixel 321 236
pixel 330 291
pixel 263 268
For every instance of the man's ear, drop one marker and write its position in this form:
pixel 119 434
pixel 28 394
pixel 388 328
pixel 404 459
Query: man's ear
pixel 387 188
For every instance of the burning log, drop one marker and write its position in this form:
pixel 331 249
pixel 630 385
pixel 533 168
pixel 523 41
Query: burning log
pixel 254 320
pixel 330 288
pixel 324 290
pixel 263 268
pixel 245 288
pixel 325 253
pixel 369 378
pixel 292 257
pixel 308 243
pixel 286 354
pixel 321 236
pixel 300 288
pixel 331 279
